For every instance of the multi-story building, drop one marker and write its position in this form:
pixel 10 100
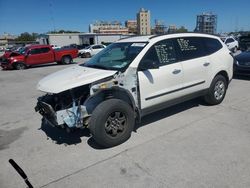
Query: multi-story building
pixel 172 29
pixel 206 23
pixel 114 27
pixel 132 26
pixel 160 27
pixel 143 22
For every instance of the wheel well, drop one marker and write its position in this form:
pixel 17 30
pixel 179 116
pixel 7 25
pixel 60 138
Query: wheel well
pixel 107 94
pixel 14 64
pixel 224 73
pixel 66 56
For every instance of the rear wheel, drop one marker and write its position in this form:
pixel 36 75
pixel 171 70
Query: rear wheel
pixel 66 60
pixel 217 90
pixel 112 122
pixel 20 66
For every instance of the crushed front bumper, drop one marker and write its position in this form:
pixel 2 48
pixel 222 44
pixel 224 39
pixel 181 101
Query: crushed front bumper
pixel 47 112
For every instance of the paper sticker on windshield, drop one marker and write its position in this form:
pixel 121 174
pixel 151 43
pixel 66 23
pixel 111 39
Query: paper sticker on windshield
pixel 138 44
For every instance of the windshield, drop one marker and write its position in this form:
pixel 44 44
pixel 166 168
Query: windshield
pixel 116 56
pixel 22 50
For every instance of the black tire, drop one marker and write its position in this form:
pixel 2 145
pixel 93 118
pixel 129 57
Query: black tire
pixel 112 122
pixel 217 90
pixel 66 60
pixel 59 62
pixel 20 66
pixel 88 55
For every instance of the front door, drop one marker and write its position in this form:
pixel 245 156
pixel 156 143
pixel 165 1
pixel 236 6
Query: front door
pixel 163 84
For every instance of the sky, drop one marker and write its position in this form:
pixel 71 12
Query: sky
pixel 41 16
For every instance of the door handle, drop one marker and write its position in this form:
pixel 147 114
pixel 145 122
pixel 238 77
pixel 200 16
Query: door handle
pixel 176 71
pixel 206 64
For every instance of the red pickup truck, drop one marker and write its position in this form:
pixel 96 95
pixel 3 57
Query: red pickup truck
pixel 37 54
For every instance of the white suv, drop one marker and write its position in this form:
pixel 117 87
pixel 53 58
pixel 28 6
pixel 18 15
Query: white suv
pixel 134 77
pixel 91 50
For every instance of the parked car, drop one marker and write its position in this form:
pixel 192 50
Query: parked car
pixel 38 54
pixel 132 78
pixel 91 50
pixel 242 64
pixel 231 43
pixel 55 47
pixel 244 43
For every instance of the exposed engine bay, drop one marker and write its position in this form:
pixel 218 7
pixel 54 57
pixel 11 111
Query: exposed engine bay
pixel 74 107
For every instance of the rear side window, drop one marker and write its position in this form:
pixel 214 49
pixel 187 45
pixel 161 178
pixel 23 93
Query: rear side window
pixel 212 45
pixel 191 47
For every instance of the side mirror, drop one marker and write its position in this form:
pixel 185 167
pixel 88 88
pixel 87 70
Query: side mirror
pixel 148 64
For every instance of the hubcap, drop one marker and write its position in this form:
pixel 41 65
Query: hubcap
pixel 19 66
pixel 67 60
pixel 115 124
pixel 219 90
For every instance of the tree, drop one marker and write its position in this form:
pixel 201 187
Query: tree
pixel 182 29
pixel 62 31
pixel 27 37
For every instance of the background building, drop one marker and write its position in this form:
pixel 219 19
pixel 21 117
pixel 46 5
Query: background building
pixel 172 29
pixel 206 23
pixel 132 26
pixel 64 39
pixel 160 27
pixel 143 22
pixel 114 27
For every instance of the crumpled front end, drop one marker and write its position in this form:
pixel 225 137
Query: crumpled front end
pixel 65 108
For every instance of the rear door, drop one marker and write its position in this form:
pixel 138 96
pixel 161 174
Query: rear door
pixel 195 63
pixel 163 84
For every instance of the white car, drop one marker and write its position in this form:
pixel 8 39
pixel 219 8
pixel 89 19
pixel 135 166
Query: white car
pixel 91 50
pixel 231 43
pixel 55 47
pixel 134 77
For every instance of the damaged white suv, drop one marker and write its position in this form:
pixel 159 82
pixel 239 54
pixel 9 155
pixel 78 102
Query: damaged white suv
pixel 134 77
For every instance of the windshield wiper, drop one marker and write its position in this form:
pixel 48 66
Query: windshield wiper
pixel 97 66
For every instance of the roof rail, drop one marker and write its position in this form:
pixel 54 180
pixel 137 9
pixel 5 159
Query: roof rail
pixel 129 37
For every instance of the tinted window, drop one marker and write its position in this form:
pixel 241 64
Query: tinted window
pixel 191 47
pixel 97 47
pixel 212 45
pixel 45 50
pixel 229 40
pixel 162 52
pixel 35 51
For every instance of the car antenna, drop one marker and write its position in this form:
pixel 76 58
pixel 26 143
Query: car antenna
pixel 20 172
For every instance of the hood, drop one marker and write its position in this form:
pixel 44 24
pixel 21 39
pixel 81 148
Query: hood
pixel 243 57
pixel 72 77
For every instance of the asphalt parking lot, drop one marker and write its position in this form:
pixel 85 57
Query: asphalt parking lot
pixel 187 145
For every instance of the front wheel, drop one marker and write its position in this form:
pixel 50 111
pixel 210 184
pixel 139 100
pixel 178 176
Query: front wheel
pixel 20 66
pixel 217 90
pixel 112 122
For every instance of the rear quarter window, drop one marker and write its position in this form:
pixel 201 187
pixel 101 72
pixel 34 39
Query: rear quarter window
pixel 212 45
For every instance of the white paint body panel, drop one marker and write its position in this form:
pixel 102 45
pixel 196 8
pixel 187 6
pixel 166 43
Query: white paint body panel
pixel 72 77
pixel 155 82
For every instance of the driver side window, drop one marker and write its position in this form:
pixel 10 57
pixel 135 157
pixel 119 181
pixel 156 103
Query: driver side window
pixel 163 53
